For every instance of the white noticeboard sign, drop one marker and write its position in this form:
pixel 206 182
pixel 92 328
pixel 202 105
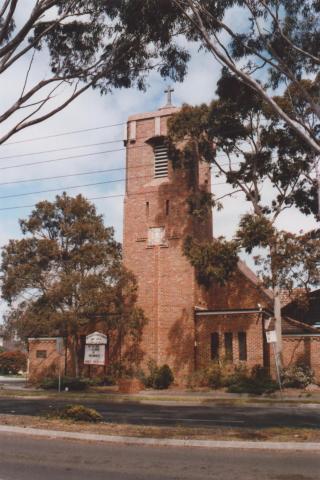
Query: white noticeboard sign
pixel 94 354
pixel 271 336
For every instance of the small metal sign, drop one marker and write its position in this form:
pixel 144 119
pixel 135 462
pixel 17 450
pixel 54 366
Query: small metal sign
pixel 271 336
pixel 59 344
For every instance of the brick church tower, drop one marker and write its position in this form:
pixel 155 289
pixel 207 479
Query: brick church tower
pixel 156 222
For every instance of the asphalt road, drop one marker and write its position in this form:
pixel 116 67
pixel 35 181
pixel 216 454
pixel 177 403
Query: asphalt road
pixel 37 459
pixel 248 416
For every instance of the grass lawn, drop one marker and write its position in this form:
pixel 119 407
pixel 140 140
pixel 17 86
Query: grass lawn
pixel 277 434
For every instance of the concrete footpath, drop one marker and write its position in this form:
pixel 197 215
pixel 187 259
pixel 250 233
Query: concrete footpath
pixel 162 442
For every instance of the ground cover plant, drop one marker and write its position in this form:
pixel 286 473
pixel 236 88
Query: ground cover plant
pixel 71 383
pixel 297 376
pixel 77 413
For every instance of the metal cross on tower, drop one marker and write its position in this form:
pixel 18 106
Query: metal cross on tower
pixel 169 91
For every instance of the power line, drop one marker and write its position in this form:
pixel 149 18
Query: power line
pixel 62 134
pixel 89 172
pixel 15 195
pixel 56 177
pixel 71 157
pixel 24 194
pixel 60 149
pixel 80 186
pixel 60 159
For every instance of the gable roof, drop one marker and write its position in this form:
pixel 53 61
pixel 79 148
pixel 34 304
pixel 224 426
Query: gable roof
pixel 253 278
pixel 294 327
pixel 309 315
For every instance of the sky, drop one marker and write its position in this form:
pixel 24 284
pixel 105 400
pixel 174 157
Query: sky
pixel 92 111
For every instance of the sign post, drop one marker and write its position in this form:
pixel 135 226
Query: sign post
pixel 272 338
pixel 59 347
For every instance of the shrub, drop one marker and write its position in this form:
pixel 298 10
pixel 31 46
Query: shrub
pixel 12 362
pixel 77 413
pixel 72 383
pixel 199 378
pixel 159 378
pixel 163 378
pixel 297 376
pixel 257 383
pixel 214 376
pixel 104 381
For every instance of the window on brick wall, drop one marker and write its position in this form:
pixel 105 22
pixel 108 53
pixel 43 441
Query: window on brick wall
pixel 215 346
pixel 160 160
pixel 228 346
pixel 242 341
pixel 167 207
pixel 41 353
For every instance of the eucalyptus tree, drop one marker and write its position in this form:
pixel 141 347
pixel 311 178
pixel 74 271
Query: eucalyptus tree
pixel 261 158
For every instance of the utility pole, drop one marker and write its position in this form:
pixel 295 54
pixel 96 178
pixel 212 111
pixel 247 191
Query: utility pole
pixel 318 185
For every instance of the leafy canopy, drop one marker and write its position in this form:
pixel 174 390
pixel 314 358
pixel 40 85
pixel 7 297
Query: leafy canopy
pixel 66 274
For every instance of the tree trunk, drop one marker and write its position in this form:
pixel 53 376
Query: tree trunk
pixel 74 356
pixel 278 322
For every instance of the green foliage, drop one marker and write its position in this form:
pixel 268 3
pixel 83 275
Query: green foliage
pixel 255 231
pixel 215 375
pixel 72 265
pixel 274 155
pixel 235 378
pixel 77 413
pixel 297 376
pixel 159 378
pixel 74 384
pixel 103 45
pixel 214 261
pixel 200 205
pixel 12 362
pixel 257 383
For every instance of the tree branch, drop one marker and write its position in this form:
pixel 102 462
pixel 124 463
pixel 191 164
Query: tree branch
pixel 251 82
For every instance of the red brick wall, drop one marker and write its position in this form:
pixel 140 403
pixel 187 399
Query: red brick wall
pixel 166 280
pixel 44 367
pixel 251 324
pixel 302 349
pixel 239 292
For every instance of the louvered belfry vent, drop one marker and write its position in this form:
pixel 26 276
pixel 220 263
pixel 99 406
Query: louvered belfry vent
pixel 160 161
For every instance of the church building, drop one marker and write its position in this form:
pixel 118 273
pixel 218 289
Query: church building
pixel 188 326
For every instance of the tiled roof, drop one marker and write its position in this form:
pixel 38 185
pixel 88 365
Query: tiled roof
pixel 309 315
pixel 291 326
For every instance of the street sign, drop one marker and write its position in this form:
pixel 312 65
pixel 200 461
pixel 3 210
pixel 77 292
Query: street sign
pixel 59 344
pixel 94 354
pixel 271 336
pixel 267 323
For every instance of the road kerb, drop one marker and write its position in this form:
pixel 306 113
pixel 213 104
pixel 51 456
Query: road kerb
pixel 164 442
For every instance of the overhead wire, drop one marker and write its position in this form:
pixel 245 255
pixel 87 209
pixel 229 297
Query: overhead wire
pixel 54 150
pixel 62 134
pixel 90 154
pixel 69 187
